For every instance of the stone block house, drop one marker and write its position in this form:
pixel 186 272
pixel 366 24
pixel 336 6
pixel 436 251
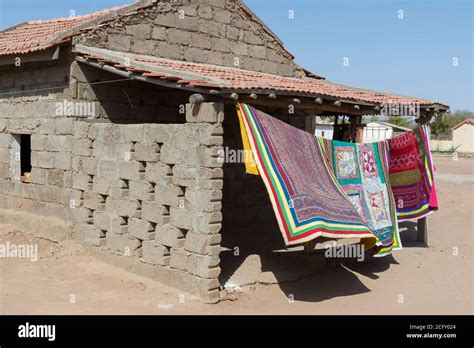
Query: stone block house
pixel 114 125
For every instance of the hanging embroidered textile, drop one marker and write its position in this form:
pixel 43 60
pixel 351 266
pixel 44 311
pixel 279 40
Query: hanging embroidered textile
pixel 306 197
pixel 411 174
pixel 362 172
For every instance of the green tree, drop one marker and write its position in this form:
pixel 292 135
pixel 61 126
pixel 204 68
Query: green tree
pixel 442 124
pixel 461 115
pixel 374 118
pixel 398 120
pixel 464 113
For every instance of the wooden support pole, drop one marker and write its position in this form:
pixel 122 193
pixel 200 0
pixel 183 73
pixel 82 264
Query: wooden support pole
pixel 352 129
pixel 310 120
pixel 359 130
pixel 336 132
pixel 309 247
pixel 422 224
pixel 422 231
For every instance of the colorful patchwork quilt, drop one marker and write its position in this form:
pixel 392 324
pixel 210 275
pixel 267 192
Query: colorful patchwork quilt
pixel 362 172
pixel 307 199
pixel 335 189
pixel 411 175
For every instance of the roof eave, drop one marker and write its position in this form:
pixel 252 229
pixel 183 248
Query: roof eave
pixel 43 54
pixel 159 71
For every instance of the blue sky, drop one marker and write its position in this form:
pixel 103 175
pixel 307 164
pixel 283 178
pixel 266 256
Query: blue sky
pixel 410 56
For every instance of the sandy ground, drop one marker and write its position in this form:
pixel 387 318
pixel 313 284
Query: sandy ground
pixel 415 280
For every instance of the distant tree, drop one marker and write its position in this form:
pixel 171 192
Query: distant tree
pixel 398 120
pixel 442 124
pixel 464 113
pixel 461 115
pixel 330 118
pixel 374 118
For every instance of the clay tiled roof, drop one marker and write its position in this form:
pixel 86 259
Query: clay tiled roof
pixel 232 79
pixel 38 35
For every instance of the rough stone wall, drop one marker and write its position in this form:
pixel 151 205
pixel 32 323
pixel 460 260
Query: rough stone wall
pixel 146 192
pixel 124 101
pixel 152 192
pixel 215 32
pixel 23 112
pixel 139 180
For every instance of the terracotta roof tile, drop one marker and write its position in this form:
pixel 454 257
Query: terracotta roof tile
pixel 41 34
pixel 230 79
pixel 38 35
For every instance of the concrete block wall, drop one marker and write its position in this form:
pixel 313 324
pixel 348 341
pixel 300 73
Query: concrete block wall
pixel 130 185
pixel 137 189
pixel 245 195
pixel 246 199
pixel 215 32
pixel 249 223
pixel 35 75
pixel 153 192
pixel 34 113
pixel 126 102
pixel 48 195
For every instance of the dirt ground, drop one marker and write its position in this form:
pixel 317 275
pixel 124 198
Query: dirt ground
pixel 416 280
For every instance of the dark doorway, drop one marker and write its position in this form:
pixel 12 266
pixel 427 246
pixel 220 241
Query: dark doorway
pixel 25 157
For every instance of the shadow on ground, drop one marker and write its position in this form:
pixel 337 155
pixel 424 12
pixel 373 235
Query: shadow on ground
pixel 258 255
pixel 408 232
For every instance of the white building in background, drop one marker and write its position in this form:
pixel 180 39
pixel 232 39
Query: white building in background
pixel 372 131
pixel 323 128
pixel 463 136
pixel 378 131
pixel 462 139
